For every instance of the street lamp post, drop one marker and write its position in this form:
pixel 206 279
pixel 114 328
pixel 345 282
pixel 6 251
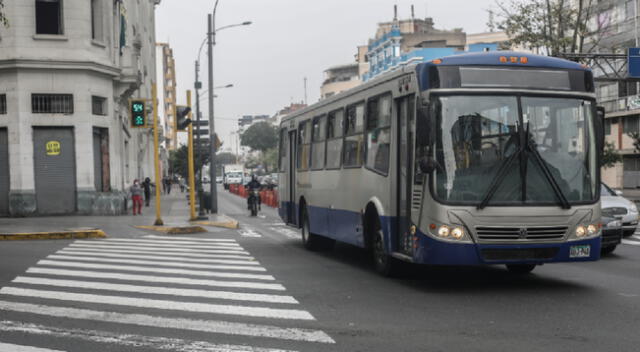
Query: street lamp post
pixel 211 41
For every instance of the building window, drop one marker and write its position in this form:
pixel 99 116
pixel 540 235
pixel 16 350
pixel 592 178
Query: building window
pixel 379 133
pixel 335 126
pixel 318 146
pixel 96 20
pixel 354 142
pixel 52 103
pixel 626 89
pixel 98 105
pixel 3 104
pixel 607 127
pixel 630 124
pixel 49 17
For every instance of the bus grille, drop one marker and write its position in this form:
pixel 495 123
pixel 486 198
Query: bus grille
pixel 519 253
pixel 544 233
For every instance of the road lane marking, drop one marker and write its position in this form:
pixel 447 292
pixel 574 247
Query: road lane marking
pixel 19 348
pixel 162 245
pixel 247 232
pixel 181 238
pixel 155 279
pixel 69 264
pixel 287 232
pixel 130 340
pixel 158 263
pixel 184 292
pixel 224 309
pixel 168 253
pixel 130 240
pixel 633 243
pixel 89 253
pixel 209 326
pixel 159 249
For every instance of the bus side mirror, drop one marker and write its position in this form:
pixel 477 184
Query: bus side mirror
pixel 427 165
pixel 600 114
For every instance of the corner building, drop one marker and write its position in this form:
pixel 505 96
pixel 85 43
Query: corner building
pixel 67 71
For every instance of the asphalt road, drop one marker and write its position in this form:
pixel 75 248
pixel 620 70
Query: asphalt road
pixel 257 289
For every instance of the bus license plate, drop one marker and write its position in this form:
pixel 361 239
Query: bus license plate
pixel 581 251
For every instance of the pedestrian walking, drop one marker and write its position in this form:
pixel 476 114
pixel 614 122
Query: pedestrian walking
pixel 168 185
pixel 136 196
pixel 183 185
pixel 164 184
pixel 146 185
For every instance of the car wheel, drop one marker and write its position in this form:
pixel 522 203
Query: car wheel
pixel 521 268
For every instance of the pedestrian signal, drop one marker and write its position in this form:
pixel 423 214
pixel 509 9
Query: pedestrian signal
pixel 138 113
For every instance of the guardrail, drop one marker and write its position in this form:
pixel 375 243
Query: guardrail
pixel 268 197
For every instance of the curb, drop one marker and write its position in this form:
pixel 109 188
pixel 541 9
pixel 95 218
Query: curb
pixel 174 230
pixel 58 235
pixel 228 224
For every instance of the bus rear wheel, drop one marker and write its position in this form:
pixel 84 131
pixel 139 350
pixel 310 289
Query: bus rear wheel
pixel 521 268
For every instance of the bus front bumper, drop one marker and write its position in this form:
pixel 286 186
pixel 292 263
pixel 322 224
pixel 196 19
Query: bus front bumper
pixel 434 252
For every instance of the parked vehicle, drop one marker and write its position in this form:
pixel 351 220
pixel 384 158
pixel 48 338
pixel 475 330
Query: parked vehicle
pixel 620 208
pixel 233 174
pixel 611 232
pixel 219 179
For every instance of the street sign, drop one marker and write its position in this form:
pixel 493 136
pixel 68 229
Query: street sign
pixel 633 62
pixel 137 108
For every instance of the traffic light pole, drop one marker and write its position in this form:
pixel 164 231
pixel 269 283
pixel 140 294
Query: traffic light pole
pixel 156 156
pixel 192 197
pixel 198 152
pixel 212 130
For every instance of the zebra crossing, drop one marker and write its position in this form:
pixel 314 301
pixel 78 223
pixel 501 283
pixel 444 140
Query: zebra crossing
pixel 186 284
pixel 633 240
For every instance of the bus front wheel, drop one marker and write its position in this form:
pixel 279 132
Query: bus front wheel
pixel 521 268
pixel 385 264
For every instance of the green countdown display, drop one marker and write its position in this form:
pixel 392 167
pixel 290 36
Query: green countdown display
pixel 138 114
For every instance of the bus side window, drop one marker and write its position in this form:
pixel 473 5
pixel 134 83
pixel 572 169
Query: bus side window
pixel 354 141
pixel 318 148
pixel 304 141
pixel 379 133
pixel 283 149
pixel 335 126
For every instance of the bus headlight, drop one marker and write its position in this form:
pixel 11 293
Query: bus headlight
pixel 444 231
pixel 457 233
pixel 592 230
pixel 585 231
pixel 581 231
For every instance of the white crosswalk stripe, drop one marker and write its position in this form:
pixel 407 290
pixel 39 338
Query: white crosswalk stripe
pixel 5 347
pixel 161 276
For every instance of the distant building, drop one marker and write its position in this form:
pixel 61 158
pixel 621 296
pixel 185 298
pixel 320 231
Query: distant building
pixel 167 95
pixel 247 120
pixel 291 108
pixel 66 76
pixel 340 78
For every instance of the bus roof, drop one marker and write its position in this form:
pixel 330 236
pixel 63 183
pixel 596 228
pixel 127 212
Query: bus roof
pixel 493 59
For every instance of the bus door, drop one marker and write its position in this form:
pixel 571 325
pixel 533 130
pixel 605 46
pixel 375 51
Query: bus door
pixel 291 179
pixel 405 120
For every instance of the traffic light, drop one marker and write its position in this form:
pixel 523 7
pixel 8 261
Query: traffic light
pixel 138 113
pixel 182 121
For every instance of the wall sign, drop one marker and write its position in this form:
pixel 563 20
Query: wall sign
pixel 53 148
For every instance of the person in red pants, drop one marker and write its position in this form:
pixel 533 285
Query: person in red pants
pixel 136 197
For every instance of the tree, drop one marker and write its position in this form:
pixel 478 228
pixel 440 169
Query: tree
pixel 179 161
pixel 554 26
pixel 271 159
pixel 610 156
pixel 3 19
pixel 261 137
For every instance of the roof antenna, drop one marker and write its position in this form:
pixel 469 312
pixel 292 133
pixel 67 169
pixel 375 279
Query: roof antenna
pixel 413 13
pixel 395 13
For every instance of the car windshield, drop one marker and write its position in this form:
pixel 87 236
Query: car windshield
pixel 530 150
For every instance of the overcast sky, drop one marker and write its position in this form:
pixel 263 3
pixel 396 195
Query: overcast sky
pixel 288 41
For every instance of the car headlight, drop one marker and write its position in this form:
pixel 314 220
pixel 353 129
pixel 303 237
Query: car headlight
pixel 633 208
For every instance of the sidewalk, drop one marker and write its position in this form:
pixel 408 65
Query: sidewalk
pixel 175 212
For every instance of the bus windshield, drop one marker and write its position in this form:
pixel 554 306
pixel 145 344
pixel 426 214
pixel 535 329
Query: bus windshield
pixel 507 149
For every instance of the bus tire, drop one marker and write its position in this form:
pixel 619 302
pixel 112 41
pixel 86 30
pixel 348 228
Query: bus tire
pixel 385 264
pixel 311 241
pixel 521 268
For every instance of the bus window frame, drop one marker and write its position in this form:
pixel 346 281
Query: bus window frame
pixel 345 135
pixel 366 131
pixel 313 142
pixel 327 139
pixel 282 132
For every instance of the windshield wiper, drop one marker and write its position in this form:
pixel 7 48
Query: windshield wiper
pixel 532 148
pixel 502 173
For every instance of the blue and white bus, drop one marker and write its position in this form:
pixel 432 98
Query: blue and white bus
pixel 473 159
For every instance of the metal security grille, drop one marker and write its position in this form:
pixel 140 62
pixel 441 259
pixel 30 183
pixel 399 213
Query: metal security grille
pixel 3 104
pixel 98 105
pixel 52 103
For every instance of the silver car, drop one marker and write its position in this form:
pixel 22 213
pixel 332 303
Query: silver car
pixel 616 206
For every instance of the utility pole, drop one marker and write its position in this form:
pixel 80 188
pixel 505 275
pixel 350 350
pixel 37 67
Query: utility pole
pixel 305 90
pixel 192 197
pixel 212 134
pixel 156 157
pixel 198 152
